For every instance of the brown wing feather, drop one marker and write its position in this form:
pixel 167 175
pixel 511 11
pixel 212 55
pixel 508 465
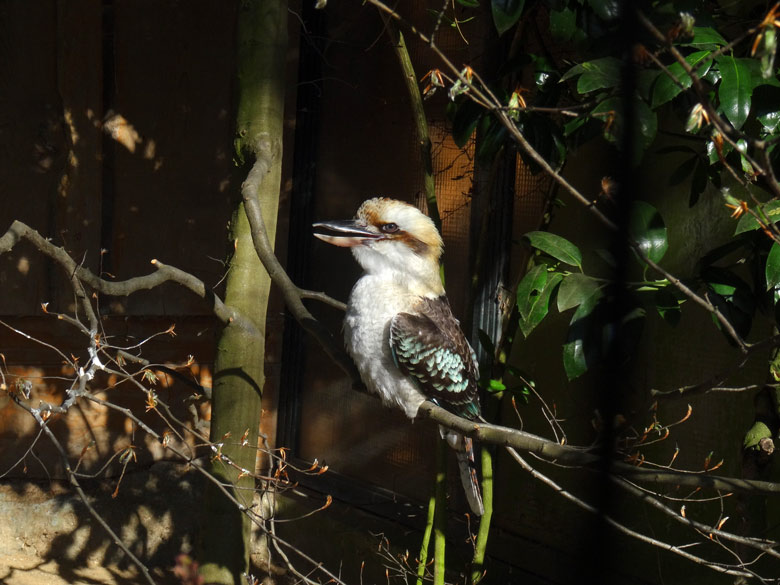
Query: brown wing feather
pixel 430 347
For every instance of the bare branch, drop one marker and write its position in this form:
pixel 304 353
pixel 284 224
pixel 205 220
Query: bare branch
pixel 719 567
pixel 292 295
pixel 567 455
pixel 19 231
pixel 765 546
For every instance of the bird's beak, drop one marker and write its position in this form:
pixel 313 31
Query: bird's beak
pixel 347 234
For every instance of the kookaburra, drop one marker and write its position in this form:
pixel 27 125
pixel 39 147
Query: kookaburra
pixel 399 327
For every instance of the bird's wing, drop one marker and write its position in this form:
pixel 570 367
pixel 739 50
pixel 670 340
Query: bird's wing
pixel 430 348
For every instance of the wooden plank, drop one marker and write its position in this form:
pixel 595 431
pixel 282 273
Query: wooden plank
pixel 32 152
pixel 79 82
pixel 174 76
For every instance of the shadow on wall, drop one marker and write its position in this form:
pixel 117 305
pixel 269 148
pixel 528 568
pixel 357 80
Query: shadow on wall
pixel 153 512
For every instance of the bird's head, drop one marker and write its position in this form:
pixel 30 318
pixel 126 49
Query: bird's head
pixel 390 236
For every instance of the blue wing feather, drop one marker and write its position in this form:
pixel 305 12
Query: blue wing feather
pixel 431 349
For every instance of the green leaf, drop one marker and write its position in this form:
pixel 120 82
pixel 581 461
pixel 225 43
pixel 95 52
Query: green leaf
pixel 599 74
pixel 645 82
pixel 757 74
pixel 770 121
pixel 557 247
pixel 736 88
pixel 773 267
pixel 769 48
pixel 575 290
pixel 487 343
pixel 732 289
pixel 682 172
pixel 647 228
pixel 607 257
pixel 571 127
pixel 563 24
pixel 753 437
pixel 648 126
pixel 723 250
pixel 705 36
pixel 540 306
pixel 712 151
pixel 529 289
pixel 506 13
pixel 573 72
pixel 668 306
pixel 496 386
pixel 492 137
pixel 764 104
pixel 469 3
pixel 644 120
pixel 698 183
pixel 605 9
pixel 464 122
pixel 667 89
pixel 578 352
pixel 770 210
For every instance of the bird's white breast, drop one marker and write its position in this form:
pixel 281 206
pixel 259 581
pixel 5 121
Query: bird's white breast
pixel 374 301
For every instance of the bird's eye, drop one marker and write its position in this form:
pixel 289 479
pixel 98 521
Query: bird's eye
pixel 389 228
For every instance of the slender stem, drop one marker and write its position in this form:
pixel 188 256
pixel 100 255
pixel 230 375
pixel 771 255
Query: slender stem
pixel 440 515
pixel 423 560
pixel 477 563
pixel 420 120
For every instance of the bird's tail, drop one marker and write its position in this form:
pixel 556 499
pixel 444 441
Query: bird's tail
pixel 468 474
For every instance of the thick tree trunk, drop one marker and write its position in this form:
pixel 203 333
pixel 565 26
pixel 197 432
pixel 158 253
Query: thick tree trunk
pixel 239 378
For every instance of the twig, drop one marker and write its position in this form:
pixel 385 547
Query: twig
pixel 77 487
pixel 323 298
pixel 711 385
pixel 286 559
pixel 721 568
pixel 765 546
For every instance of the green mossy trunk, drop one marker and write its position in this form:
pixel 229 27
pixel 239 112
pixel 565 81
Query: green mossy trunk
pixel 238 370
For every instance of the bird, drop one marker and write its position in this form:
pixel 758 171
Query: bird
pixel 399 327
